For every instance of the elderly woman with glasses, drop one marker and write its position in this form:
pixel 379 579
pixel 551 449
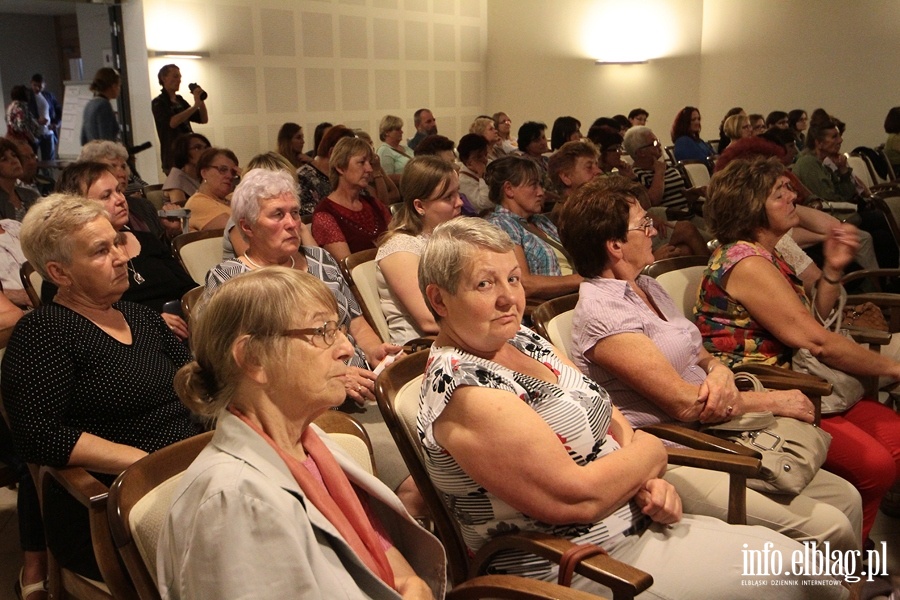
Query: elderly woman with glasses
pixel 752 308
pixel 210 206
pixel 267 216
pixel 630 337
pixel 517 439
pixel 272 507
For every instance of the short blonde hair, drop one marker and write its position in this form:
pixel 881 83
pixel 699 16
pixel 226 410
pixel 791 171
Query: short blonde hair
pixel 480 124
pixel 388 123
pixel 450 251
pixel 48 227
pixel 207 384
pixel 343 151
pixel 733 124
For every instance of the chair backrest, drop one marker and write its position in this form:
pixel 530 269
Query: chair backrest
pixel 199 251
pixel 397 392
pixel 553 320
pixel 697 172
pixel 352 437
pixel 890 206
pixel 139 500
pixel 32 282
pixel 189 301
pixel 669 155
pixel 360 272
pixel 680 277
pixel 860 169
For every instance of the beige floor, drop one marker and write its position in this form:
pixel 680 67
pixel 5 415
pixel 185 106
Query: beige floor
pixel 886 529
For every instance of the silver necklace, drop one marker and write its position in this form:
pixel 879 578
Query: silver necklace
pixel 259 266
pixel 138 278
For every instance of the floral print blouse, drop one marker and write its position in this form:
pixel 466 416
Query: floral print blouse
pixel 729 332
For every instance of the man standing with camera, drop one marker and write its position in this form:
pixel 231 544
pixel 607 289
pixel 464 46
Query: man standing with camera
pixel 172 114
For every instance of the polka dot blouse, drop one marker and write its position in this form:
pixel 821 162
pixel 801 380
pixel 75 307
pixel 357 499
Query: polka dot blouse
pixel 62 376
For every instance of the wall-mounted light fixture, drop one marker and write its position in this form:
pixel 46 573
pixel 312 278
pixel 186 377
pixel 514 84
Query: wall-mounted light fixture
pixel 177 54
pixel 621 62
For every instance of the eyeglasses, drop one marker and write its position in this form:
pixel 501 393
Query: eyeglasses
pixel 322 337
pixel 198 147
pixel 225 170
pixel 646 225
pixel 616 149
pixel 654 144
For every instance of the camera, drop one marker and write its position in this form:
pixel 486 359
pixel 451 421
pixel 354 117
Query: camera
pixel 203 96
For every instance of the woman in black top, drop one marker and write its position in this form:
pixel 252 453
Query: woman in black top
pixel 87 379
pixel 154 276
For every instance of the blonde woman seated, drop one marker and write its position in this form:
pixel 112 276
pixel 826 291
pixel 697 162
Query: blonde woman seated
pixel 430 190
pixel 272 507
pixel 517 438
pixel 392 153
pixel 630 337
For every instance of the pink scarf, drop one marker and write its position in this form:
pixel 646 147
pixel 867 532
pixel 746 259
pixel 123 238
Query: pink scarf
pixel 339 503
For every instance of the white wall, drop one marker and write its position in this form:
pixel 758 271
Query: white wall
pixel 763 55
pixel 350 62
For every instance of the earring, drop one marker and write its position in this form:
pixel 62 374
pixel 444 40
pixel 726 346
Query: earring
pixel 421 213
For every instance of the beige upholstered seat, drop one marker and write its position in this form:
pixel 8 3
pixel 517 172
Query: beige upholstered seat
pixel 199 251
pixel 359 270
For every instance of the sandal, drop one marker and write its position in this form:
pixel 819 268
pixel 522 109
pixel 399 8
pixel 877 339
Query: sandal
pixel 23 591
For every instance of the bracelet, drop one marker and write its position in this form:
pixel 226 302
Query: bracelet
pixel 831 281
pixel 711 365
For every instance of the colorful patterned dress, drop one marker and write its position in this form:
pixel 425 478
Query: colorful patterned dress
pixel 729 332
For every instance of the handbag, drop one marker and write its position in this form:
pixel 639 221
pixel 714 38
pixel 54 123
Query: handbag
pixel 791 451
pixel 846 389
pixel 865 316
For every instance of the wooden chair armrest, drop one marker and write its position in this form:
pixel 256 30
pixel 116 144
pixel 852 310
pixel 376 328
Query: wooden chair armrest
pixel 778 377
pixel 869 274
pixel 747 466
pixel 698 440
pixel 624 580
pixel 78 483
pixel 514 588
pixel 869 336
pixel 881 299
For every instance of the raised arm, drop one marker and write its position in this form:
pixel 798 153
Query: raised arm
pixel 756 284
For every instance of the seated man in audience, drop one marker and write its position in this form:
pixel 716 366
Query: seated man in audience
pixel 425 124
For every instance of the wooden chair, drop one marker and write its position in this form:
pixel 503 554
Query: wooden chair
pixel 189 300
pixel 32 282
pixel 93 495
pixel 199 251
pixel 359 270
pixel 397 391
pixel 139 500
